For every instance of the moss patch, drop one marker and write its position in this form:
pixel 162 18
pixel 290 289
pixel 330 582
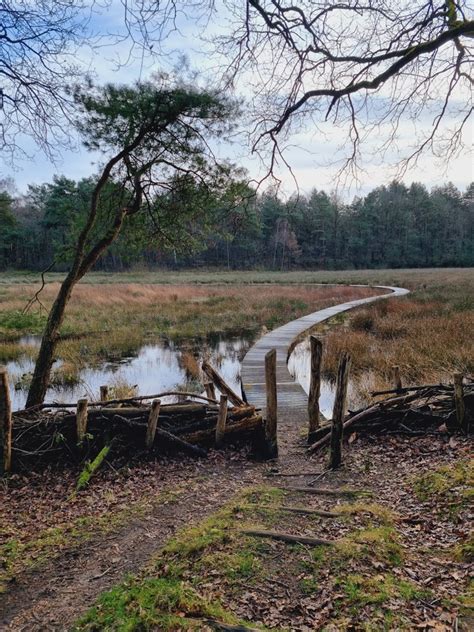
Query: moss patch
pixel 449 486
pixel 168 594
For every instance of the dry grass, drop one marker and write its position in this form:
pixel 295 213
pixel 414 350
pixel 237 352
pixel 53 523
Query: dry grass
pixel 428 333
pixel 110 321
pixel 429 340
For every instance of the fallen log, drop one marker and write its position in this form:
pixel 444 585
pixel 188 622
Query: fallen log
pixel 406 389
pixel 363 415
pixel 249 424
pixel 224 388
pixel 180 444
pixel 224 627
pixel 327 491
pixel 125 400
pixel 288 537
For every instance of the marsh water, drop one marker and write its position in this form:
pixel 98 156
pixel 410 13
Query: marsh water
pixel 161 366
pixel 154 368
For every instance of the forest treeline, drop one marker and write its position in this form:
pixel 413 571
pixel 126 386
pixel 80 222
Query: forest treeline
pixel 393 226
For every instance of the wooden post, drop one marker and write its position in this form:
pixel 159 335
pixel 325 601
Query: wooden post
pixel 104 393
pixel 339 411
pixel 5 419
pixel 81 419
pixel 152 423
pixel 221 421
pixel 397 380
pixel 459 402
pixel 210 390
pixel 271 417
pixel 315 385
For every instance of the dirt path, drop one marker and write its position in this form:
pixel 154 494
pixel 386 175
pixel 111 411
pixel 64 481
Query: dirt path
pixel 57 593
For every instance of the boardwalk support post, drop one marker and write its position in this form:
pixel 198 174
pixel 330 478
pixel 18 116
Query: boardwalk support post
pixel 81 419
pixel 221 421
pixel 335 457
pixel 5 419
pixel 459 403
pixel 271 418
pixel 104 393
pixel 152 423
pixel 315 386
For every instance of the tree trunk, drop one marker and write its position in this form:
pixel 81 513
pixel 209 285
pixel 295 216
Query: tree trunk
pixel 49 342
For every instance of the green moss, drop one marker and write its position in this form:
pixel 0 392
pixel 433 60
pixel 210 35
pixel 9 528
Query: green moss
pixel 450 486
pixel 90 468
pixel 149 604
pixel 360 590
pixel 464 552
pixel 366 545
pixel 372 510
pixel 166 594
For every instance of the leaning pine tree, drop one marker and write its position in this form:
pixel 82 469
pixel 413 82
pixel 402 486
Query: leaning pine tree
pixel 153 136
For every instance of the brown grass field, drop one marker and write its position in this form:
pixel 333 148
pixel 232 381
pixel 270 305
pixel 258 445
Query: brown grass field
pixel 428 333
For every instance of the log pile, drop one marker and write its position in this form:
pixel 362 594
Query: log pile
pixel 412 410
pixel 58 433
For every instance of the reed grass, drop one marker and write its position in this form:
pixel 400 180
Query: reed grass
pixel 428 339
pixel 428 334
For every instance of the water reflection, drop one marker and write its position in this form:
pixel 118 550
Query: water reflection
pixel 154 368
pixel 299 365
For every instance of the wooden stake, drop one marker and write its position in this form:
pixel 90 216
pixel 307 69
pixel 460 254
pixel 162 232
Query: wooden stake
pixel 5 419
pixel 271 418
pixel 104 393
pixel 397 380
pixel 459 402
pixel 221 421
pixel 339 411
pixel 81 419
pixel 214 376
pixel 210 390
pixel 315 386
pixel 152 423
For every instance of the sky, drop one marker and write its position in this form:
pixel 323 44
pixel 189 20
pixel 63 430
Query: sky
pixel 312 153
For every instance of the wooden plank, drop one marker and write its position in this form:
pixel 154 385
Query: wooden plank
pixel 292 400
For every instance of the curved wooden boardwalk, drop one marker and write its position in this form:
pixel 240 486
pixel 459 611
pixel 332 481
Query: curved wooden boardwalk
pixel 291 397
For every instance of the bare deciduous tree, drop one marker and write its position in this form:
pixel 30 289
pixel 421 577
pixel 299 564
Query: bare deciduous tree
pixel 366 65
